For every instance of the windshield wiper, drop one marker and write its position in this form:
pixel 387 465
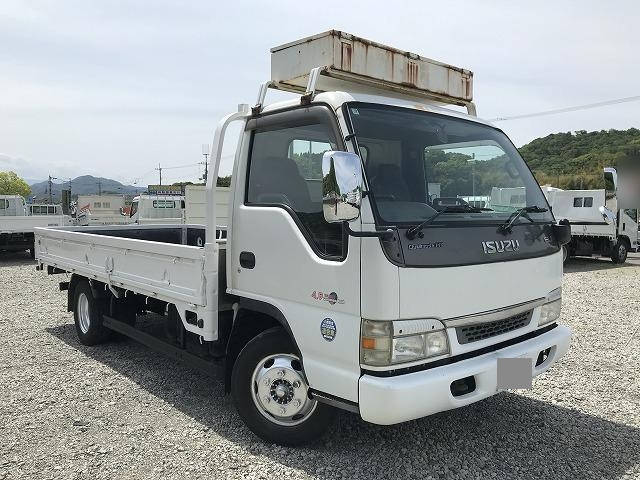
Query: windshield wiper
pixel 413 231
pixel 521 212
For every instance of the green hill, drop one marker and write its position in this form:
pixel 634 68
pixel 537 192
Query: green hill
pixel 575 160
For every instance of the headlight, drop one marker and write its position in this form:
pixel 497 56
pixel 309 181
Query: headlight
pixel 389 343
pixel 550 311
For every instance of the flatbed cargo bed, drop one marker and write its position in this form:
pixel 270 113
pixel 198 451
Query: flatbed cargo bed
pixel 165 262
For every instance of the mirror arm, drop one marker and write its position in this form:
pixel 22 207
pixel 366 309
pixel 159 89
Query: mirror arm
pixel 388 234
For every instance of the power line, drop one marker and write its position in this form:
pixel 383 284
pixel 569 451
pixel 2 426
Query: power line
pixel 182 166
pixel 568 109
pixel 160 169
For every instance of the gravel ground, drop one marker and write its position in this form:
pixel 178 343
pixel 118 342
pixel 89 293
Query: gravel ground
pixel 121 411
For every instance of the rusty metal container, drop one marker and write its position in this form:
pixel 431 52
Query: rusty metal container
pixel 350 62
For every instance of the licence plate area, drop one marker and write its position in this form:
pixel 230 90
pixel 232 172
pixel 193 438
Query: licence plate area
pixel 514 373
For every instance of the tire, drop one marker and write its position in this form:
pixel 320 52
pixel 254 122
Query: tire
pixel 565 254
pixel 257 375
pixel 619 254
pixel 87 314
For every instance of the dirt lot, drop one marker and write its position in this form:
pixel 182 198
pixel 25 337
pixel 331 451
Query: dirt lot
pixel 121 411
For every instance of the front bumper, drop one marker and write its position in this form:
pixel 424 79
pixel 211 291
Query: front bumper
pixel 389 400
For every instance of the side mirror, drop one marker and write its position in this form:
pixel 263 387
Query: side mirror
pixel 341 186
pixel 562 232
pixel 608 215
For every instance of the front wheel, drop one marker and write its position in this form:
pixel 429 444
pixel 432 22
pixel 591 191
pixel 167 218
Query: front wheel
pixel 619 254
pixel 271 392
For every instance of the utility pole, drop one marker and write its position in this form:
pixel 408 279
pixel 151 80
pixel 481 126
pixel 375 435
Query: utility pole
pixel 159 169
pixel 205 154
pixel 100 188
pixel 50 192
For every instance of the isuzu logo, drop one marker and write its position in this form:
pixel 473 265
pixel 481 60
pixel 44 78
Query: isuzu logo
pixel 500 246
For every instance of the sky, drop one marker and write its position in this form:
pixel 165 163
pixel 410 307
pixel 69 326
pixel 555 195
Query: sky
pixel 114 88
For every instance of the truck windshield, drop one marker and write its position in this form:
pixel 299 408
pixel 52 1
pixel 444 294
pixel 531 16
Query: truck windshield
pixel 419 163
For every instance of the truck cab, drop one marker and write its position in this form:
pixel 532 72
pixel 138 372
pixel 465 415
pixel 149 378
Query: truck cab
pixel 157 209
pixel 599 223
pixel 12 206
pixel 103 209
pixel 18 220
pixel 399 306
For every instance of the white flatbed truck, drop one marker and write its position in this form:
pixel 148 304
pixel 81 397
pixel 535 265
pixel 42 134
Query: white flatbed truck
pixel 18 221
pixel 599 226
pixel 337 282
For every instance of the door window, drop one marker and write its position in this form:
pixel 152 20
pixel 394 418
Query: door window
pixel 632 213
pixel 286 170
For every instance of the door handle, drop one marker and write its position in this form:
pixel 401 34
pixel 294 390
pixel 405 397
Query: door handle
pixel 247 260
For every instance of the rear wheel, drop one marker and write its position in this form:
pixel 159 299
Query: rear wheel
pixel 87 315
pixel 619 254
pixel 271 393
pixel 565 254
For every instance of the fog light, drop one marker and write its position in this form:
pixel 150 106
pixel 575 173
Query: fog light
pixel 463 386
pixel 543 356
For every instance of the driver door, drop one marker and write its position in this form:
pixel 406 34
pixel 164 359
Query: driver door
pixel 285 255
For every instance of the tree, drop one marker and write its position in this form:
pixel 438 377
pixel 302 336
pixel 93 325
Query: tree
pixel 224 181
pixel 329 182
pixel 12 184
pixel 573 161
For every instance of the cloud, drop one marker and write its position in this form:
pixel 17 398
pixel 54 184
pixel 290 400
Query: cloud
pixel 115 88
pixel 17 165
pixel 32 171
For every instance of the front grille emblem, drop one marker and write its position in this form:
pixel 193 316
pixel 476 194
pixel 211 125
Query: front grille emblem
pixel 500 246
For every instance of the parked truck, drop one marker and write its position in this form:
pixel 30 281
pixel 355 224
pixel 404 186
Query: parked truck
pixel 190 207
pixel 157 209
pixel 599 226
pixel 335 283
pixel 97 210
pixel 18 220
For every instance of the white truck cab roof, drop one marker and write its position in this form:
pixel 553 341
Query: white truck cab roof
pixel 338 98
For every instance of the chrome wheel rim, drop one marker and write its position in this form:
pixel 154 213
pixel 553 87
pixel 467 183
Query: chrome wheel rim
pixel 83 313
pixel 280 391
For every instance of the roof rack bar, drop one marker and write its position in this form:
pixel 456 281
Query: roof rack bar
pixel 471 109
pixel 311 85
pixel 262 93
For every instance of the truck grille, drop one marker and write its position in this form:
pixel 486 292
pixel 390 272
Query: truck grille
pixel 481 331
